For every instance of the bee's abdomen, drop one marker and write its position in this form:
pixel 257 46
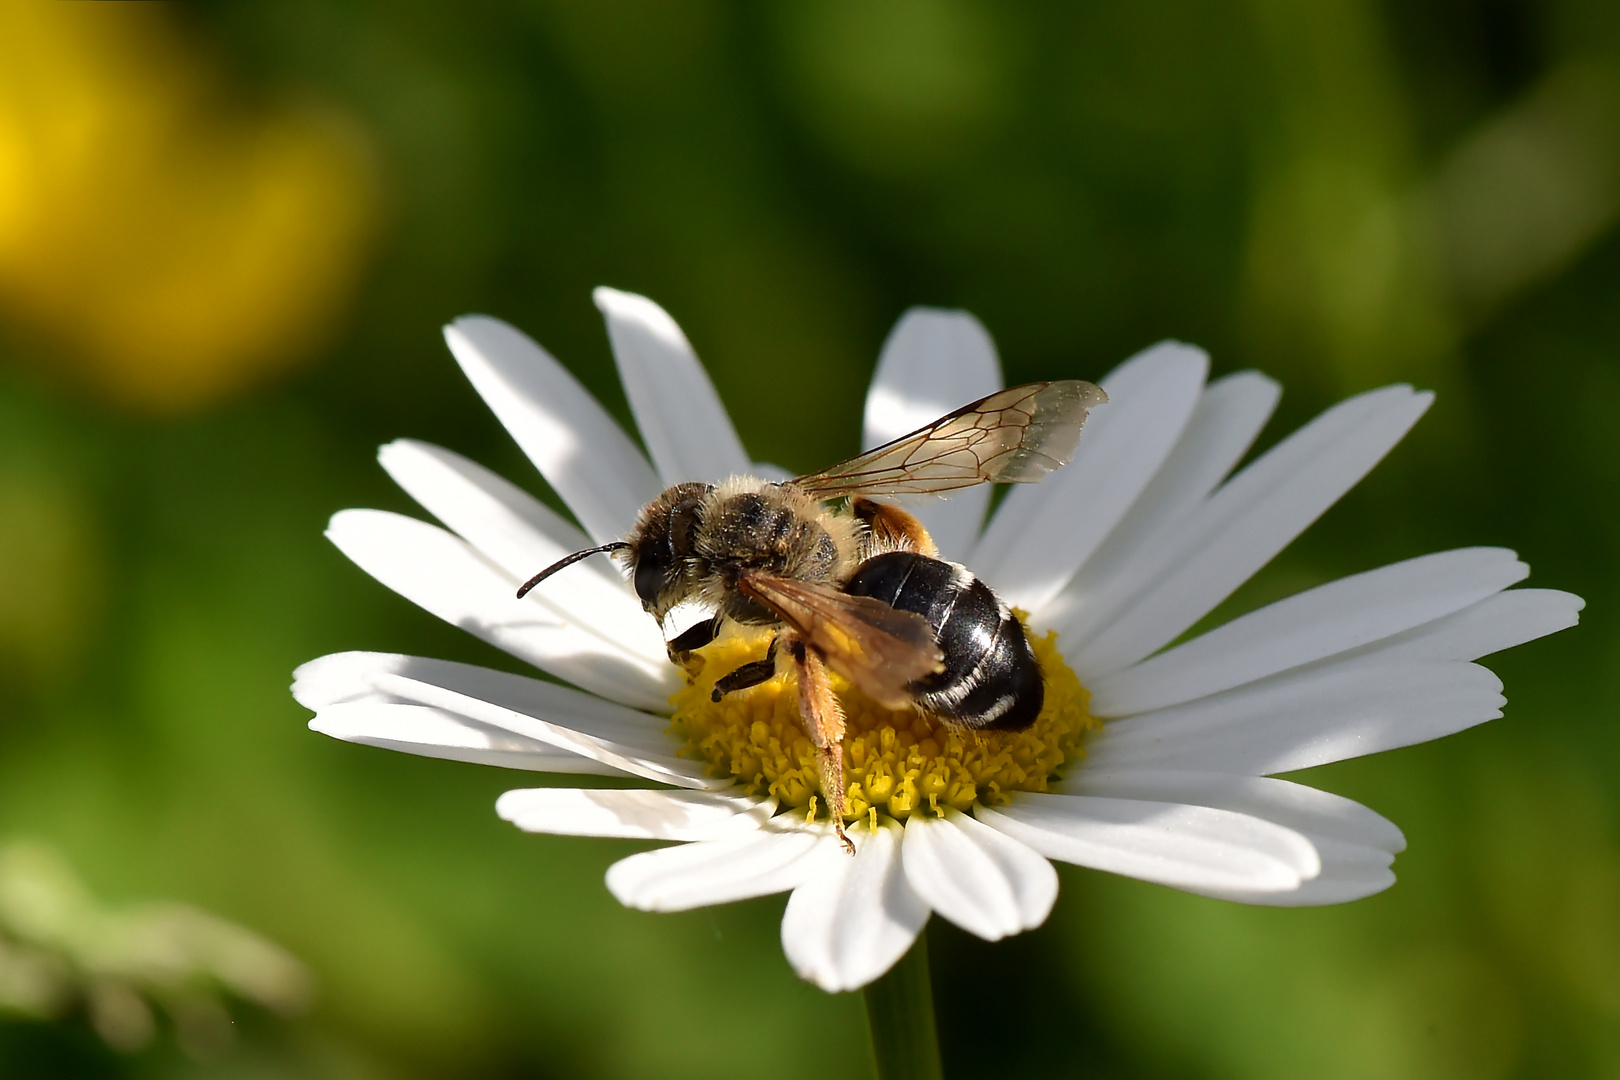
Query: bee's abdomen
pixel 991 679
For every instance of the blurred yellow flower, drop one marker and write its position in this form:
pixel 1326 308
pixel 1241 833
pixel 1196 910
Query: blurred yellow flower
pixel 169 251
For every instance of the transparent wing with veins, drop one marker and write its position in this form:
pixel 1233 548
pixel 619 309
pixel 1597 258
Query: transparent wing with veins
pixel 879 648
pixel 1012 437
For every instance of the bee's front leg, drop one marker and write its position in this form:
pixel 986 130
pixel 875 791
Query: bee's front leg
pixel 824 722
pixel 683 645
pixel 750 674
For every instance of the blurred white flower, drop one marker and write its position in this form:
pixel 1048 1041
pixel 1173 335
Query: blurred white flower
pixel 1154 761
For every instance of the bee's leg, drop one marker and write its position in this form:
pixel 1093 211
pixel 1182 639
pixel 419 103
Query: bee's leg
pixel 824 723
pixel 749 674
pixel 891 528
pixel 693 638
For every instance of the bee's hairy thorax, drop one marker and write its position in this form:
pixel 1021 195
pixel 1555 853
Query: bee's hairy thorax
pixel 753 525
pixel 702 537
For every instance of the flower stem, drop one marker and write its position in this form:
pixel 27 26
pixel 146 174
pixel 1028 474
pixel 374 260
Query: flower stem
pixel 900 1012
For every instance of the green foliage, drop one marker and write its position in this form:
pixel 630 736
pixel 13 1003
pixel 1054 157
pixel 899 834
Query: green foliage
pixel 61 951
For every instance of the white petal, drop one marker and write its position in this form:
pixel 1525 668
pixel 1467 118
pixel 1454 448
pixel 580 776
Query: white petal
pixel 853 918
pixel 1188 847
pixel 1304 809
pixel 685 427
pixel 1042 532
pixel 1308 718
pixel 1238 530
pixel 934 361
pixel 576 445
pixel 662 768
pixel 1349 872
pixel 556 716
pixel 1229 415
pixel 1331 619
pixel 490 512
pixel 443 574
pixel 983 881
pixel 633 813
pixel 354 676
pixel 1500 622
pixel 435 733
pixel 522 535
pixel 771 859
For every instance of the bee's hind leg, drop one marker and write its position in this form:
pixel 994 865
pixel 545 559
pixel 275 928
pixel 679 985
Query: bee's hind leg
pixel 831 760
pixel 824 723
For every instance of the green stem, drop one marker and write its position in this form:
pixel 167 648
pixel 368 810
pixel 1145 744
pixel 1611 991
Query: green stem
pixel 900 1012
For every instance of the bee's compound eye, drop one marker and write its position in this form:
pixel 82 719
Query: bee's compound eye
pixel 664 538
pixel 652 578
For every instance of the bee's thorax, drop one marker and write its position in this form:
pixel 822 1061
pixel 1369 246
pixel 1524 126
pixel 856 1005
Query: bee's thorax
pixel 695 541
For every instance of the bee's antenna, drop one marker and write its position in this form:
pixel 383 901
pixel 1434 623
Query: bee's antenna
pixel 570 560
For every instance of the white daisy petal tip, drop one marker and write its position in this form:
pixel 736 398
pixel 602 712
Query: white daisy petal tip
pixel 451 578
pixel 1348 873
pixel 1180 574
pixel 983 881
pixel 1043 534
pixel 577 446
pixel 1189 847
pixel 778 856
pixel 1163 353
pixel 1307 810
pixel 645 313
pixel 1332 619
pixel 686 428
pixel 1314 716
pixel 934 360
pixel 854 917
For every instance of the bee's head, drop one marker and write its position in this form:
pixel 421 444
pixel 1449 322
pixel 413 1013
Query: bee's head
pixel 662 546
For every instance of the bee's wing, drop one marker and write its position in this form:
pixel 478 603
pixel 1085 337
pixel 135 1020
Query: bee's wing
pixel 877 647
pixel 1015 436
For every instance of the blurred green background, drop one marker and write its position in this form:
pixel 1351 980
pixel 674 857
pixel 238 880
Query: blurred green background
pixel 230 232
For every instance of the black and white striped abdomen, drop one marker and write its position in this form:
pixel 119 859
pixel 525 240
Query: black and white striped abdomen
pixel 991 679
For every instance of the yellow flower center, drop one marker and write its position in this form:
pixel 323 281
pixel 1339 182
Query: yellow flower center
pixel 894 762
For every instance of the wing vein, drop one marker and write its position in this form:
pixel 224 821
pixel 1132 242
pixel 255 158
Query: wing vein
pixel 1015 436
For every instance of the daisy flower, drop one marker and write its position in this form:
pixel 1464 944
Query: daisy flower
pixel 1153 757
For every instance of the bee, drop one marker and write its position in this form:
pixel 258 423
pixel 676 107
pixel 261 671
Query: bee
pixel 855 586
